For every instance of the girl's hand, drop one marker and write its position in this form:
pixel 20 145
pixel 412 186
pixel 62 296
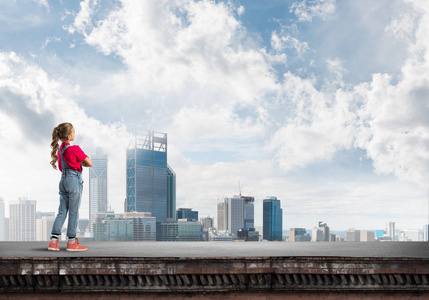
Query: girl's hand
pixel 87 162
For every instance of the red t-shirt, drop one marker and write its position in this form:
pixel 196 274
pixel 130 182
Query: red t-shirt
pixel 73 157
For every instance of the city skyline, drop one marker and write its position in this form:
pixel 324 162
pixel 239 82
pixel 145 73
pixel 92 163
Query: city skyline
pixel 322 104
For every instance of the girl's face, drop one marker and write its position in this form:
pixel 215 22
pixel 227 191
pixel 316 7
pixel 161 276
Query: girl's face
pixel 72 135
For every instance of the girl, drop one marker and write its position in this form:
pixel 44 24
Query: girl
pixel 72 158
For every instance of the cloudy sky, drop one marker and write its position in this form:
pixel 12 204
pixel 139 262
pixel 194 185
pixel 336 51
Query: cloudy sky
pixel 321 103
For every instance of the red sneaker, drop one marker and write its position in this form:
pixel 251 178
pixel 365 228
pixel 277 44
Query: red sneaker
pixel 74 246
pixel 54 245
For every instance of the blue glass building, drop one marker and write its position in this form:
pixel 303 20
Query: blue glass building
pixel 186 213
pixel 272 220
pixel 151 183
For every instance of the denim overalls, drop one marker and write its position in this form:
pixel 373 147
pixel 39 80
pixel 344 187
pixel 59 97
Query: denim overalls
pixel 71 186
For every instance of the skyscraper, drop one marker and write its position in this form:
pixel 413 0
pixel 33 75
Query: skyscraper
pixel 249 211
pixel 391 231
pixel 207 222
pixel 149 178
pixel 222 214
pixel 2 220
pixel 272 220
pixel 22 220
pixel 97 186
pixel 235 214
pixel 44 223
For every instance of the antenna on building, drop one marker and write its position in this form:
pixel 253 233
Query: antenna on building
pixel 239 187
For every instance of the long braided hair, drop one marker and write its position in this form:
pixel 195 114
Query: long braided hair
pixel 59 133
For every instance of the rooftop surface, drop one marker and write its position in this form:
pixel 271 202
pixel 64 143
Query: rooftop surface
pixel 221 249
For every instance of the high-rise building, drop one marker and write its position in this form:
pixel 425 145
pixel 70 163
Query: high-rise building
pixel 44 223
pixel 186 213
pixel 353 235
pixel 235 214
pixel 22 220
pixel 2 220
pixel 272 219
pixel 325 230
pixel 317 235
pixel 222 214
pixel 249 211
pixel 97 186
pixel 391 231
pixel 149 178
pixel 207 222
pixel 299 235
pixel 367 236
pixel 426 233
pixel 208 225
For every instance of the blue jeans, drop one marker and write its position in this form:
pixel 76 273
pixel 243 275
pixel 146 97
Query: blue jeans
pixel 71 186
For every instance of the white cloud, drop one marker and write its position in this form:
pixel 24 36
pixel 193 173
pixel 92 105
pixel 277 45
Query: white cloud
pixel 51 39
pixel 82 22
pixel 240 10
pixel 387 120
pixel 283 40
pixel 31 105
pixel 175 47
pixel 307 10
pixel 317 127
pixel 403 26
pixel 43 3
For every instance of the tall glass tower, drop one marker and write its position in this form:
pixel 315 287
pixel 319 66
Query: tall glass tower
pixel 249 211
pixel 151 183
pixel 97 186
pixel 272 220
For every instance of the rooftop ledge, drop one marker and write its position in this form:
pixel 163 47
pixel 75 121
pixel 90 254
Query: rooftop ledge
pixel 213 267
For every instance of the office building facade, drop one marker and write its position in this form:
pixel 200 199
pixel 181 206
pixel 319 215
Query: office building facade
pixel 186 213
pixel 353 235
pixel 299 235
pixel 133 226
pixel 272 219
pixel 222 214
pixel 207 222
pixel 249 211
pixel 391 230
pixel 179 231
pixel 44 223
pixel 235 214
pixel 150 181
pixel 367 236
pixel 97 186
pixel 22 220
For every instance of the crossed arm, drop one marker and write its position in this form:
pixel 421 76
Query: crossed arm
pixel 87 162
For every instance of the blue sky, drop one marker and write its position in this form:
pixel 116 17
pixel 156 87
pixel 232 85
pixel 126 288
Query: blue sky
pixel 321 103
